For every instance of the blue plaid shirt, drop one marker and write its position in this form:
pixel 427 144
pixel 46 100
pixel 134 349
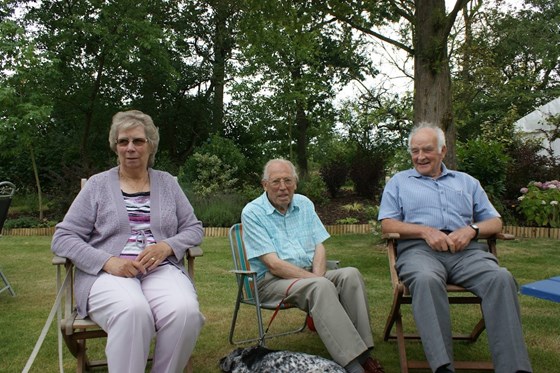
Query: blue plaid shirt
pixel 451 201
pixel 292 236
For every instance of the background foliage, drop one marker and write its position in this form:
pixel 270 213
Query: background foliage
pixel 232 84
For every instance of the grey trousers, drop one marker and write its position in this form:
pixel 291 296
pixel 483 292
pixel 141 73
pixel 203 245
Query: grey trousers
pixel 425 272
pixel 338 304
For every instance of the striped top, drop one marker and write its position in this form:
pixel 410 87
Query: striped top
pixel 138 209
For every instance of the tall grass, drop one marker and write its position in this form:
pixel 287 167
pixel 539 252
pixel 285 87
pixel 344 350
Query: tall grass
pixel 26 261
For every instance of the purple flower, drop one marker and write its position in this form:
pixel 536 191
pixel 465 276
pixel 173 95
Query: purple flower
pixel 524 190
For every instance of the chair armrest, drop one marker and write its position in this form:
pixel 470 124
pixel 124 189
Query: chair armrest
pixel 505 236
pixel 194 252
pixel 499 236
pixel 333 264
pixel 390 236
pixel 59 260
pixel 242 272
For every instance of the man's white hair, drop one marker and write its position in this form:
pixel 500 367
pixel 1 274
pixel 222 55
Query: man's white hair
pixel 266 173
pixel 439 132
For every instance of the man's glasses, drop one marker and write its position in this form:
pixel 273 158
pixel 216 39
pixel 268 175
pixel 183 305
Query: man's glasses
pixel 287 182
pixel 123 142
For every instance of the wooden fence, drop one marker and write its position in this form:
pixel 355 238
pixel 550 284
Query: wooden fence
pixel 519 232
pixel 532 232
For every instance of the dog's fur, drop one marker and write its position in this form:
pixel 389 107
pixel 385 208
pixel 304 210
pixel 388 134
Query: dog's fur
pixel 259 359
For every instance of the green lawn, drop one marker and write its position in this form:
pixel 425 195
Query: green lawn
pixel 26 261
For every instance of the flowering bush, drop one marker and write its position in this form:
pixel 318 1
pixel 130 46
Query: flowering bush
pixel 539 203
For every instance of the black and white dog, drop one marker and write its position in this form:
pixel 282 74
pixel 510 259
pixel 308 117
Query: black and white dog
pixel 257 359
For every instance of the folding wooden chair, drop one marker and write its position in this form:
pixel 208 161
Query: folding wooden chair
pixel 7 191
pixel 457 295
pixel 75 331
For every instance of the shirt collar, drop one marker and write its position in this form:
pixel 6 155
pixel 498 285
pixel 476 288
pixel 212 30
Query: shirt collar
pixel 444 172
pixel 270 209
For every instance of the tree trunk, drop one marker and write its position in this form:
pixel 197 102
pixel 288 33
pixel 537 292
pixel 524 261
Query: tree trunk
pixel 37 181
pixel 302 124
pixel 221 51
pixel 432 78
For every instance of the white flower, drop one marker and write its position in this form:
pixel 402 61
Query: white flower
pixel 554 203
pixel 543 202
pixel 521 198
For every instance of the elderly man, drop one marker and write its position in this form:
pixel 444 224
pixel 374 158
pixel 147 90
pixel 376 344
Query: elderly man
pixel 284 242
pixel 439 214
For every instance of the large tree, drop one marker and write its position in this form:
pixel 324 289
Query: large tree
pixel 110 56
pixel 292 59
pixel 423 31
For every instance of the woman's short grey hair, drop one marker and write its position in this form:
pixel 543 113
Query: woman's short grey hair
pixel 125 120
pixel 439 132
pixel 266 173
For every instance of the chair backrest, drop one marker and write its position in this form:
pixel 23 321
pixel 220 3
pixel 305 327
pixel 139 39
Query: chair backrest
pixel 7 191
pixel 240 262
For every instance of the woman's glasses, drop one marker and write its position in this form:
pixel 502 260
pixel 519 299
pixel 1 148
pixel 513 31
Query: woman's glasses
pixel 123 142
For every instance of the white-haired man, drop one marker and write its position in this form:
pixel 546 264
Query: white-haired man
pixel 439 213
pixel 284 242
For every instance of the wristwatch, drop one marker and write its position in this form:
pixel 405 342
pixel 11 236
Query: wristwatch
pixel 476 229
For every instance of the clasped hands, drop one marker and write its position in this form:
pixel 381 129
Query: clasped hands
pixel 452 242
pixel 147 260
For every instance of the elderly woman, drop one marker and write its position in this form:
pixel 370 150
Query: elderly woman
pixel 127 232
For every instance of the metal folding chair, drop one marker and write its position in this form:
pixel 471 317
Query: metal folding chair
pixel 248 294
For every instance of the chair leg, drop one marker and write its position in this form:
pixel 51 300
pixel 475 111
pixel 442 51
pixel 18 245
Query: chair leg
pixel 478 328
pixel 393 314
pixel 401 343
pixel 189 367
pixel 261 327
pixel 8 286
pixel 235 313
pixel 81 362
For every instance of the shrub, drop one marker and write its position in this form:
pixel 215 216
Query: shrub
pixel 334 175
pixel 367 172
pixel 526 165
pixel 28 222
pixel 347 221
pixel 372 212
pixel 217 165
pixel 356 207
pixel 314 188
pixel 212 176
pixel 486 161
pixel 539 204
pixel 218 210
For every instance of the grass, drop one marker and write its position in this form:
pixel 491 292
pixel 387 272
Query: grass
pixel 26 261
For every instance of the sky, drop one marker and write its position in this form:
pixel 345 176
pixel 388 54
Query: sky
pixel 386 58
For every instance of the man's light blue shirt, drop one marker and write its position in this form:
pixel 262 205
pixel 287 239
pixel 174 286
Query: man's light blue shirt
pixel 292 236
pixel 449 202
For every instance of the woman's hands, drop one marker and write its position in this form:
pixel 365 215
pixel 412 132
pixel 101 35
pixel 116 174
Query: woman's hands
pixel 153 255
pixel 123 267
pixel 147 260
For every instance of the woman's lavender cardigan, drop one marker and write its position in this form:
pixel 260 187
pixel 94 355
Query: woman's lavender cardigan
pixel 96 226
